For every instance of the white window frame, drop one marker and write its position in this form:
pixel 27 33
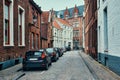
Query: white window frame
pixel 11 39
pixel 23 26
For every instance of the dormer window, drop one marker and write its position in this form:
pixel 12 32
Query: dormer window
pixel 75 15
pixel 66 16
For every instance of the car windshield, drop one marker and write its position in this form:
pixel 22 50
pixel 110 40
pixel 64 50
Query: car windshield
pixel 41 50
pixel 33 53
pixel 49 50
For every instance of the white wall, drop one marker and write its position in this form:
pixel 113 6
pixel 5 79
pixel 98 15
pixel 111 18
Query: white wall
pixel 113 12
pixel 64 36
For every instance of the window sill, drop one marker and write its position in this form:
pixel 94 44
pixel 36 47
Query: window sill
pixel 8 45
pixel 21 45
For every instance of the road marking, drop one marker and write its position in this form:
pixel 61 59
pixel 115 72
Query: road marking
pixel 42 72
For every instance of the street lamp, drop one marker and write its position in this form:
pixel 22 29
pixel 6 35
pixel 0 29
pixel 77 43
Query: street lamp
pixel 34 19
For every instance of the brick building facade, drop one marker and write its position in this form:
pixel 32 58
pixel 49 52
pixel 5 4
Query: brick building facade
pixel 46 29
pixel 13 32
pixel 16 27
pixel 34 14
pixel 91 27
pixel 74 17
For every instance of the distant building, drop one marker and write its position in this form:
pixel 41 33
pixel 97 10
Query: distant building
pixel 46 29
pixel 57 34
pixel 74 17
pixel 62 33
pixel 109 34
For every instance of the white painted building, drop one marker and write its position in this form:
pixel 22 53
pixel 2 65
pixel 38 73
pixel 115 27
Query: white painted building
pixel 57 34
pixel 109 33
pixel 83 31
pixel 62 33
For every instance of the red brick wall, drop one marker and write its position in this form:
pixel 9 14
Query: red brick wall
pixel 91 27
pixel 12 52
pixel 44 30
pixel 49 36
pixel 78 19
pixel 33 28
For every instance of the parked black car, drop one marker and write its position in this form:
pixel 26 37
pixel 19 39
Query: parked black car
pixel 36 59
pixel 68 48
pixel 59 51
pixel 54 54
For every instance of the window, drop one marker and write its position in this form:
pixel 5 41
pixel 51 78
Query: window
pixel 98 3
pixel 66 16
pixel 21 26
pixel 37 23
pixel 37 41
pixel 105 28
pixel 8 23
pixel 32 40
pixel 76 24
pixel 75 15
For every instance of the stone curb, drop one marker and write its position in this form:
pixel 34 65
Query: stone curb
pixel 12 73
pixel 104 67
pixel 107 69
pixel 18 76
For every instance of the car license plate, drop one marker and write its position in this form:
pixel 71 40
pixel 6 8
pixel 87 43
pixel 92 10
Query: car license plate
pixel 32 59
pixel 40 60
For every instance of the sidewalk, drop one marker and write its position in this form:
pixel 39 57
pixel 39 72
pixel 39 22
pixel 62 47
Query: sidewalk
pixel 12 73
pixel 98 70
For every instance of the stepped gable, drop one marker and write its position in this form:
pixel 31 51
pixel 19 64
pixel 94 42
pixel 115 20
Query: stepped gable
pixel 71 10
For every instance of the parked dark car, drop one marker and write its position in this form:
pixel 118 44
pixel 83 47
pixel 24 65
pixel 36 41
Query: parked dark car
pixel 54 54
pixel 68 48
pixel 63 49
pixel 36 59
pixel 59 50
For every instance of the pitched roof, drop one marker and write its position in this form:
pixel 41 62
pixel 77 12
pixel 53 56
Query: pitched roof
pixel 56 25
pixel 36 6
pixel 71 10
pixel 63 21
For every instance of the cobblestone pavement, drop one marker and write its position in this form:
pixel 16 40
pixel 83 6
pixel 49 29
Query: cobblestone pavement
pixel 68 67
pixel 98 70
pixel 73 65
pixel 11 73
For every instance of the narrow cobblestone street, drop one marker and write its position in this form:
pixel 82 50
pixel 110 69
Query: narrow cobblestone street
pixel 79 39
pixel 71 66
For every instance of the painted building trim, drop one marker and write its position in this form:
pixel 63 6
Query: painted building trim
pixel 11 24
pixel 23 26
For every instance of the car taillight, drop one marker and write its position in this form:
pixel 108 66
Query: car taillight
pixel 43 55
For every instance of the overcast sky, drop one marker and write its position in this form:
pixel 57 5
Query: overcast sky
pixel 58 4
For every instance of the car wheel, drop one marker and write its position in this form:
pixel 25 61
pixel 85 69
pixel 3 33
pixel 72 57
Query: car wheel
pixel 46 67
pixel 24 69
pixel 55 59
pixel 50 63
